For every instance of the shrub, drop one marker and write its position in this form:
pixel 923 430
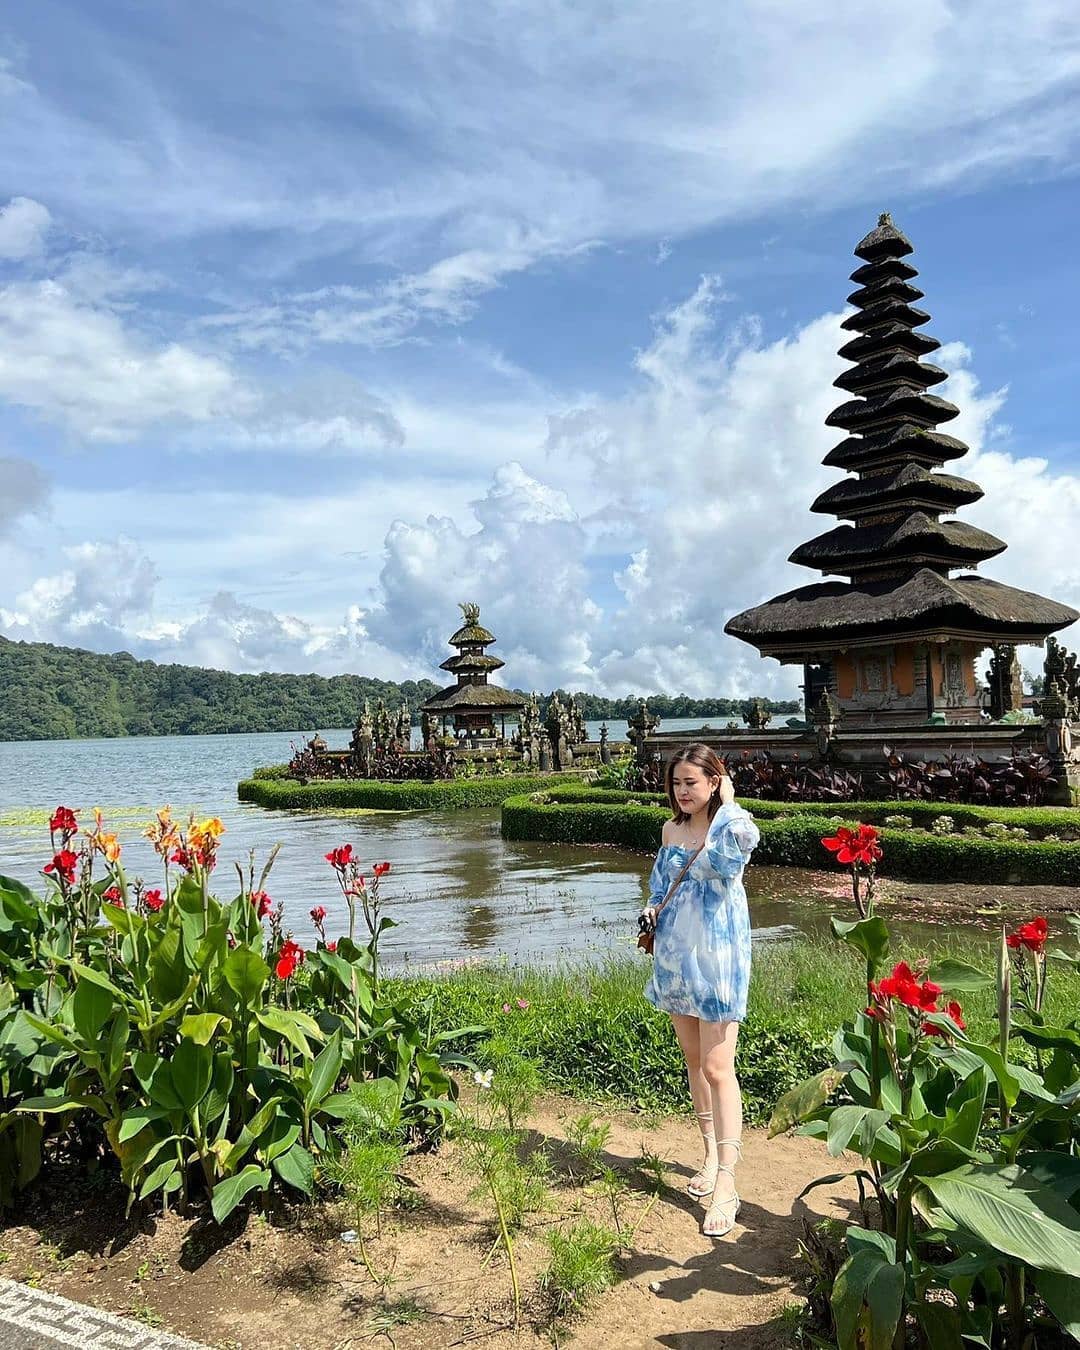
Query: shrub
pixel 969 1152
pixel 404 796
pixel 161 1024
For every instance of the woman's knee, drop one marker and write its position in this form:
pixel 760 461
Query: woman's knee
pixel 718 1074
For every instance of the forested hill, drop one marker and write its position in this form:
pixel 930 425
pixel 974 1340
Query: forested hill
pixel 62 693
pixel 57 693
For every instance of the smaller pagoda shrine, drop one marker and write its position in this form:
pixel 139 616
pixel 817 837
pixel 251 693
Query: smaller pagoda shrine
pixel 895 643
pixel 471 703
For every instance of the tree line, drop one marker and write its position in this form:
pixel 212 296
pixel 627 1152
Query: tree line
pixel 64 693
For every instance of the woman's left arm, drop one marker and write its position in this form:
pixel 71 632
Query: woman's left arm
pixel 731 839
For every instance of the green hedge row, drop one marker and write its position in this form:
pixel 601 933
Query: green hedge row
pixel 408 795
pixel 795 841
pixel 1037 820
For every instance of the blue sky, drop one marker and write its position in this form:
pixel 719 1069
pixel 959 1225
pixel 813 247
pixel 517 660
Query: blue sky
pixel 316 320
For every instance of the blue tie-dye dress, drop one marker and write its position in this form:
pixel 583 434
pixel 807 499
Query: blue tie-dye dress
pixel 701 959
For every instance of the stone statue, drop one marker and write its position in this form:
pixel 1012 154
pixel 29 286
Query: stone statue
pixel 382 726
pixel 642 724
pixel 545 752
pixel 757 715
pixel 403 728
pixel 825 714
pixel 1005 680
pixel 429 727
pixel 1060 668
pixel 605 749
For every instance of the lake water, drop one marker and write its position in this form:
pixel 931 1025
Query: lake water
pixel 458 889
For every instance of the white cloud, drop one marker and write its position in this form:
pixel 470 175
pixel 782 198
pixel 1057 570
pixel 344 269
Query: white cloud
pixel 78 364
pixel 23 226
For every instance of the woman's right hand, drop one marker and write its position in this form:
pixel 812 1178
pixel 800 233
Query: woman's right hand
pixel 648 917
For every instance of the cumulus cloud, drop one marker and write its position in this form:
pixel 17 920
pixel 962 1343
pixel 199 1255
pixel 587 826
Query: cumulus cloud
pixel 23 226
pixel 105 599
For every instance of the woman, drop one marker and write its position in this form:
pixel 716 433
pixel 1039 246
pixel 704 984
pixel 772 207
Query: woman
pixel 701 959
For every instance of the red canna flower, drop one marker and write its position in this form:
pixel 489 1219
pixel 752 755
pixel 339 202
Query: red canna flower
pixel 1031 935
pixel 63 864
pixel 332 946
pixel 906 988
pixel 153 900
pixel 63 821
pixel 318 914
pixel 263 902
pixel 113 896
pixel 339 858
pixel 955 1012
pixel 183 858
pixel 381 869
pixel 854 846
pixel 290 956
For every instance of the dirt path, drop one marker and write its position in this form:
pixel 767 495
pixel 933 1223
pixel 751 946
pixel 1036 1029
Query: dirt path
pixel 294 1283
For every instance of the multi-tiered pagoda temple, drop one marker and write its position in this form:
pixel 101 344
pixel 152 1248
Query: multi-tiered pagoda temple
pixel 896 642
pixel 471 701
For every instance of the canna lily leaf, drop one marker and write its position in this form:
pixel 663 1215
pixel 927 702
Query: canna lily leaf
pixel 1009 1209
pixel 232 1191
pixel 808 1097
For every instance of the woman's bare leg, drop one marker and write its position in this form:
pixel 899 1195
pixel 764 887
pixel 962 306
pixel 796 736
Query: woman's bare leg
pixel 687 1029
pixel 717 1059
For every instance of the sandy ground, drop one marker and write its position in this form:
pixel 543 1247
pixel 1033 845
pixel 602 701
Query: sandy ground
pixel 292 1282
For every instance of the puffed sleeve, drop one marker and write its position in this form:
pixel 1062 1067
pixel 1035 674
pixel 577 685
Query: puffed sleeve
pixel 657 885
pixel 731 839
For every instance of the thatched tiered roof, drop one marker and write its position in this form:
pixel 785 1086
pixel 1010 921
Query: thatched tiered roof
pixel 472 665
pixel 897 552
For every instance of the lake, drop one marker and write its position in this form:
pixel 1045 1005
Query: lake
pixel 458 889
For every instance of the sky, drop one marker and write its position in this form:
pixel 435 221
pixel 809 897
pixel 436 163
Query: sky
pixel 317 320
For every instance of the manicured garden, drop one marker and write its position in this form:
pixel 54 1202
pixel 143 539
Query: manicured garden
pixel 929 841
pixel 407 795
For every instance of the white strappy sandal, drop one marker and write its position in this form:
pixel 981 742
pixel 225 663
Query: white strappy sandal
pixel 719 1206
pixel 703 1182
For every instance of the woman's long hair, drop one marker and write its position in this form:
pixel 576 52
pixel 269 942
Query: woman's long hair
pixel 710 764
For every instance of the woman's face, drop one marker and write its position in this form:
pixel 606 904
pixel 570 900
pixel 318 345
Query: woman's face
pixel 693 787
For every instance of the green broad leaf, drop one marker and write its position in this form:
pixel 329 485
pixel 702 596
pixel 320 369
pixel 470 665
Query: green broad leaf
pixel 958 977
pixel 169 973
pixel 1012 1211
pixel 808 1097
pixel 293 1026
pixel 158 1178
pixel 1060 1171
pixel 868 936
pixel 869 1239
pixel 19 902
pixel 246 973
pixel 325 1071
pixel 201 1027
pixel 847 1122
pixel 123 920
pixel 966 1057
pixel 116 1048
pixel 279 1136
pixel 296 1168
pixel 341 970
pixel 867 1300
pixel 1061 1294
pixel 55 1105
pixel 192 1067
pixel 135 1121
pixel 233 1190
pixel 96 977
pixel 833 1179
pixel 1064 1037
pixel 941 1324
pixel 91 1007
pixel 221 1086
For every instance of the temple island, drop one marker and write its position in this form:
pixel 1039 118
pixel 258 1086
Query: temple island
pixel 464 727
pixel 890 651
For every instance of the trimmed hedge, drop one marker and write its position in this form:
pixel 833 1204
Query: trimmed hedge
pixel 408 795
pixel 1037 820
pixel 795 841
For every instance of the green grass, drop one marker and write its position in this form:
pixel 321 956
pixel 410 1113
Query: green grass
pixel 591 1034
